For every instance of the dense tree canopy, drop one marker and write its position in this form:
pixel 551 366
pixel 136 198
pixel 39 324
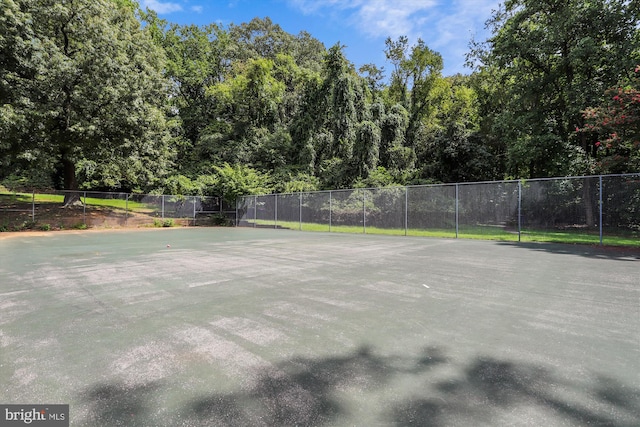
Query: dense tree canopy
pixel 100 94
pixel 82 93
pixel 554 59
pixel 614 124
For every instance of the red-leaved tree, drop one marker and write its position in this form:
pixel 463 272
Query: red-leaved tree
pixel 613 128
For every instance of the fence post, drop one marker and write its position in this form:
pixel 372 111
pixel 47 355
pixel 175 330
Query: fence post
pixel 300 210
pixel 84 208
pixel 255 210
pixel 457 211
pixel 364 212
pixel 275 211
pixel 600 203
pixel 519 210
pixel 194 210
pixel 406 210
pixel 126 209
pixel 163 206
pixel 33 206
pixel 330 209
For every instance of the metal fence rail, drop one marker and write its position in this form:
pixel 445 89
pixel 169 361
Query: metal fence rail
pixel 589 208
pixel 82 209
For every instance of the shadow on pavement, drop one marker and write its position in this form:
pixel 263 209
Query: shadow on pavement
pixel 306 391
pixel 603 252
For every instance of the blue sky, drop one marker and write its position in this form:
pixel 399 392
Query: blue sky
pixel 361 25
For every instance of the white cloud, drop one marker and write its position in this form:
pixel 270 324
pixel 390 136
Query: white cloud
pixel 373 18
pixel 467 19
pixel 389 18
pixel 445 26
pixel 161 7
pixel 309 7
pixel 453 31
pixel 197 9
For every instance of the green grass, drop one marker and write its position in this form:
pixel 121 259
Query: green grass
pixel 49 209
pixel 42 198
pixel 583 238
pixel 120 204
pixel 478 232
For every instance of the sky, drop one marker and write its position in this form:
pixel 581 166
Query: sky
pixel 446 26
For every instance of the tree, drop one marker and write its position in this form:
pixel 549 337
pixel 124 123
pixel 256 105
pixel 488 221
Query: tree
pixel 414 97
pixel 239 180
pixel 374 77
pixel 367 148
pixel 236 91
pixel 555 59
pixel 84 82
pixel 396 53
pixel 259 38
pixel 613 128
pixel 196 60
pixel 395 157
pixel 455 150
pixel 16 65
pixel 326 124
pixel 414 82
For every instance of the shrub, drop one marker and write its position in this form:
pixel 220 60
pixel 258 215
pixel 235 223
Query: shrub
pixel 221 220
pixel 163 222
pixel 181 185
pixel 29 225
pixel 239 180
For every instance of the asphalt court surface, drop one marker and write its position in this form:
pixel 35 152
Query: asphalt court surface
pixel 220 326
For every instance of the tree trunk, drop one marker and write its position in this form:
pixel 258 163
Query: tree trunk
pixel 587 199
pixel 70 182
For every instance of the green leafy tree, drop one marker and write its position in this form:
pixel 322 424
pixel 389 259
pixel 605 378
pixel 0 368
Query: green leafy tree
pixel 395 156
pixel 236 91
pixel 374 77
pixel 455 150
pixel 239 180
pixel 259 38
pixel 414 95
pixel 326 124
pixel 82 82
pixel 196 60
pixel 291 181
pixel 16 67
pixel 414 83
pixel 367 148
pixel 181 185
pixel 308 120
pixel 613 128
pixel 494 129
pixel 555 59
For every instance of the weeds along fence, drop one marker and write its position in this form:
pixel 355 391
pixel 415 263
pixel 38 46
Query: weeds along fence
pixel 588 209
pixel 83 209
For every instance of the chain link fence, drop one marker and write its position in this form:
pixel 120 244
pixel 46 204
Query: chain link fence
pixel 591 209
pixel 84 209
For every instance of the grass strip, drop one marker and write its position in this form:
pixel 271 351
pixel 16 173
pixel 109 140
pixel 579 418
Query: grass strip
pixel 477 232
pixel 42 198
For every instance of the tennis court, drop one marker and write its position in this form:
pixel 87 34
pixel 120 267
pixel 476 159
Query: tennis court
pixel 261 327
